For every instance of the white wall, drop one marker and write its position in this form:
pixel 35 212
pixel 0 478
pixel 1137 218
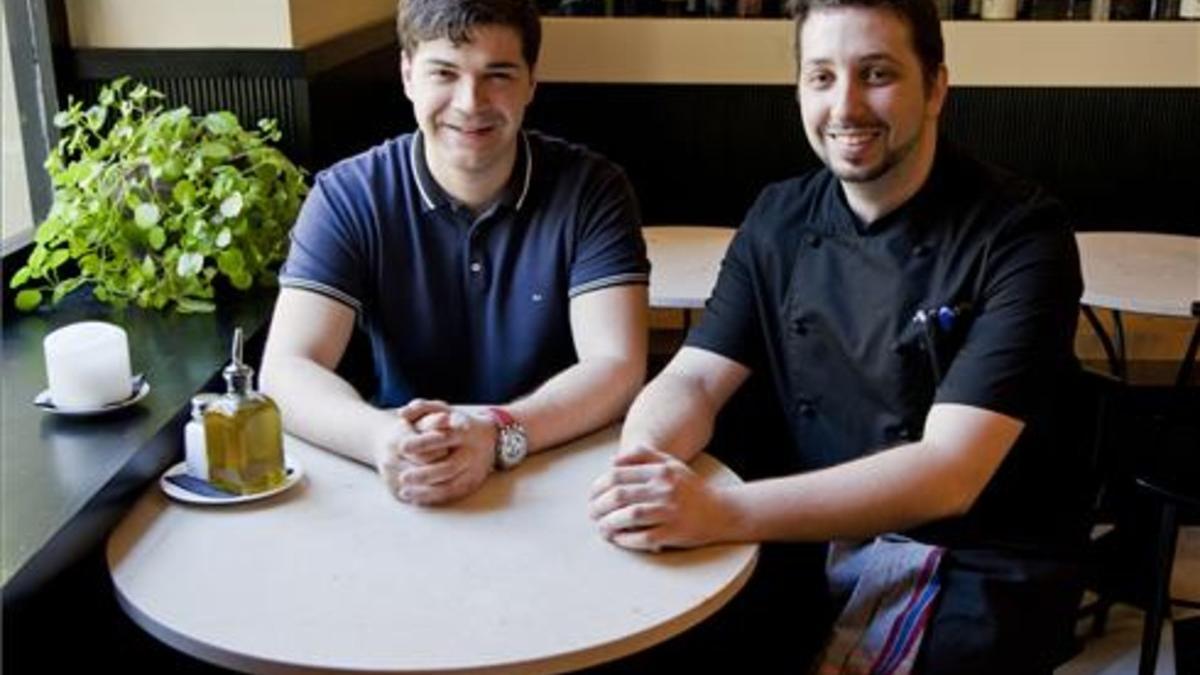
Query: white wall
pixel 201 24
pixel 183 24
pixel 314 21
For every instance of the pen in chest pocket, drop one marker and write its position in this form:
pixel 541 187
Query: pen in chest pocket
pixel 937 321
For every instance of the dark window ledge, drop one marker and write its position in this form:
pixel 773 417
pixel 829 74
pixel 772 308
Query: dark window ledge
pixel 66 482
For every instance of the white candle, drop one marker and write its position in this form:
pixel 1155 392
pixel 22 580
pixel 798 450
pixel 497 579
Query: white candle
pixel 87 365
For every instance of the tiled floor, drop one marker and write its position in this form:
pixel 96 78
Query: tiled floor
pixel 1116 652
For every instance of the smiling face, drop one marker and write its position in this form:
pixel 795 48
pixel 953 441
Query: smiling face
pixel 469 100
pixel 867 112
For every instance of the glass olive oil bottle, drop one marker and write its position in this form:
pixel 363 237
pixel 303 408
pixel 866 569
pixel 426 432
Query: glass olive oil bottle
pixel 243 432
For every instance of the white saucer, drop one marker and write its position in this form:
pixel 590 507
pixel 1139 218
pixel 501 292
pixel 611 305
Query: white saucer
pixel 201 492
pixel 137 384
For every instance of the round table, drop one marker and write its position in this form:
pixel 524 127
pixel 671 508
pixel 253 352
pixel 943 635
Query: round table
pixel 1140 272
pixel 336 575
pixel 684 262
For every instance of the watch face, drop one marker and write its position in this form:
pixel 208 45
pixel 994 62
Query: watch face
pixel 511 448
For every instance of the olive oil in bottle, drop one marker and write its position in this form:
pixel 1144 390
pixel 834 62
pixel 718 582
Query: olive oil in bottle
pixel 244 433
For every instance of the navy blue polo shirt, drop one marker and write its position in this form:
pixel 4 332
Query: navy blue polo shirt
pixel 466 308
pixel 826 307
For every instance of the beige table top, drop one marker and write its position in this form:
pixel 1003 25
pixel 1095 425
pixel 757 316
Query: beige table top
pixel 1141 272
pixel 684 262
pixel 335 575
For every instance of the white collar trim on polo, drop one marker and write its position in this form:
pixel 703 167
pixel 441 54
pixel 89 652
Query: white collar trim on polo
pixel 412 152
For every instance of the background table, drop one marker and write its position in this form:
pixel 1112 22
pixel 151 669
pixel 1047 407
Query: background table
pixel 684 262
pixel 336 575
pixel 1140 272
pixel 1155 274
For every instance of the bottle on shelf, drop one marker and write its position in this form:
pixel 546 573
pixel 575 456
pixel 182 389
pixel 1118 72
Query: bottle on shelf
pixel 1050 10
pixel 1129 10
pixel 965 10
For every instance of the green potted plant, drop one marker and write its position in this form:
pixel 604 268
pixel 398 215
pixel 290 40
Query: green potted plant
pixel 152 206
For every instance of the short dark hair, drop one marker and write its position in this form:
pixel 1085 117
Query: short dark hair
pixel 920 15
pixel 420 21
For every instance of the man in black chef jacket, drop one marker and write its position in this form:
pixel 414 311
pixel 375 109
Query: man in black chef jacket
pixel 914 311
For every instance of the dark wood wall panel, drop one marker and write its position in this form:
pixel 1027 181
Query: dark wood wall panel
pixel 1121 158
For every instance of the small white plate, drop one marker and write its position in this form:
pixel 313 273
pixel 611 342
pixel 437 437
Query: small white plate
pixel 180 485
pixel 137 384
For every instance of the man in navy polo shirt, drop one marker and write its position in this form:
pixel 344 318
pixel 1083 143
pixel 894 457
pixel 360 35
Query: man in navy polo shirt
pixel 913 312
pixel 500 275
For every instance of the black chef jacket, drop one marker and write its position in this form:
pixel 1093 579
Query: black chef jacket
pixel 828 308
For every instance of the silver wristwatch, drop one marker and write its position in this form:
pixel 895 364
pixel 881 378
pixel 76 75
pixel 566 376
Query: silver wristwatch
pixel 511 443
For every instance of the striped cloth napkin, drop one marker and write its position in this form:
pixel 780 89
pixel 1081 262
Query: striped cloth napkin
pixel 891 583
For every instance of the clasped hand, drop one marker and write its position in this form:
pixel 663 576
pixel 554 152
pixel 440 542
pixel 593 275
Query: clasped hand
pixel 649 500
pixel 435 453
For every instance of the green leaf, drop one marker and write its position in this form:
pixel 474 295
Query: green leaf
pixel 57 258
pixel 49 229
pixel 231 262
pixel 172 169
pixel 89 264
pixel 157 238
pixel 65 287
pixel 19 278
pixel 217 151
pixel 146 215
pixel 221 123
pixel 232 205
pixel 189 264
pixel 241 280
pixel 28 300
pixel 194 305
pixel 96 116
pixel 184 192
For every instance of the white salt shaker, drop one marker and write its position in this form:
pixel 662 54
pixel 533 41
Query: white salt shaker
pixel 194 447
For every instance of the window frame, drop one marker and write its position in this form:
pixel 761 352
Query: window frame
pixel 38 45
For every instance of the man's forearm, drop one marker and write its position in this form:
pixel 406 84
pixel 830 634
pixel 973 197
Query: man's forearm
pixel 322 408
pixel 580 399
pixel 673 415
pixel 889 491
